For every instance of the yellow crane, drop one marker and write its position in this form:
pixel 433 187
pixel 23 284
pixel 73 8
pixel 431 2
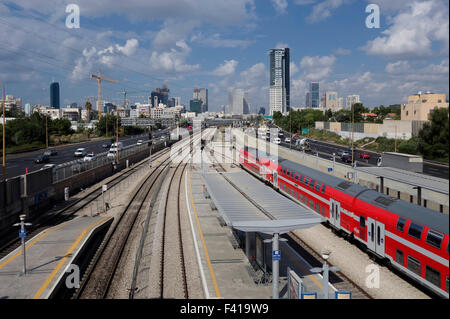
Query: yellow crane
pixel 99 90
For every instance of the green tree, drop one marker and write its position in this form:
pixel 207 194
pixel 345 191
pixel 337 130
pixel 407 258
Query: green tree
pixel 433 138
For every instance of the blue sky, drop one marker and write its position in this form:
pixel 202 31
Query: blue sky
pixel 221 45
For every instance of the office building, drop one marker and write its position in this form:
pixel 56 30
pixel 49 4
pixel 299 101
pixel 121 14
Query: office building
pixel 202 95
pixel 27 109
pixel 308 100
pixel 262 110
pixel 195 106
pixel 54 95
pixel 314 98
pixel 238 101
pixel 341 104
pixel 279 91
pixel 421 105
pixel 331 101
pixel 351 99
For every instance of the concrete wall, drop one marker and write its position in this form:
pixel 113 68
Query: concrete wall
pixel 434 200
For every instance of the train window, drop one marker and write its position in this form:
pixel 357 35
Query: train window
pixel 401 224
pixel 293 174
pixel 378 236
pixel 311 184
pixel 433 276
pixel 323 189
pixel 287 172
pixel 323 211
pixel 415 231
pixel 318 187
pixel 399 257
pixel 372 231
pixel 434 238
pixel 414 265
pixel 362 222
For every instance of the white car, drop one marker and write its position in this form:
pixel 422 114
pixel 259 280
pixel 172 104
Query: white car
pixel 277 140
pixel 80 152
pixel 89 157
pixel 139 142
pixel 287 140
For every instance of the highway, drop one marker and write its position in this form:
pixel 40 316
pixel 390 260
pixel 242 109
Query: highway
pixel 326 150
pixel 16 164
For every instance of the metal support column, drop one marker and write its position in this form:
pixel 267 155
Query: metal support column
pixel 275 267
pixel 247 244
pixel 419 195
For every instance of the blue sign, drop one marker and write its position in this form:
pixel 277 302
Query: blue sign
pixel 276 255
pixel 305 131
pixel 330 169
pixel 22 233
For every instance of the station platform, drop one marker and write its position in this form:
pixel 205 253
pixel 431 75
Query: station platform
pixel 48 255
pixel 227 270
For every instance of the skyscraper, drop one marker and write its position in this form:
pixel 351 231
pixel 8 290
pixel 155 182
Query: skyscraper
pixel 351 99
pixel 314 94
pixel 54 95
pixel 279 81
pixel 201 94
pixel 238 101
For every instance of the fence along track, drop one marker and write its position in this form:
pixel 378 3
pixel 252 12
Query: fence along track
pixel 54 218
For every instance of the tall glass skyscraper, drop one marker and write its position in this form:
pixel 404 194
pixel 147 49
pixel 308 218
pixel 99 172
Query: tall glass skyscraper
pixel 54 95
pixel 314 94
pixel 279 81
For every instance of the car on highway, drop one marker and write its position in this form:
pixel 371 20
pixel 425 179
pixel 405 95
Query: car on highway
pixel 347 158
pixel 52 166
pixel 106 145
pixel 340 153
pixel 51 152
pixel 80 152
pixel 139 142
pixel 276 140
pixel 287 140
pixel 42 159
pixel 364 155
pixel 90 157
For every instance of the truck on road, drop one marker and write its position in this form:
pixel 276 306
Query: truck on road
pixel 413 163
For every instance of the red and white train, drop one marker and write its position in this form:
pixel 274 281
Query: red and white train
pixel 412 238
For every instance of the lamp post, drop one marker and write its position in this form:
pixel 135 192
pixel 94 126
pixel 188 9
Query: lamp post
pixel 325 269
pixel 353 124
pixel 4 139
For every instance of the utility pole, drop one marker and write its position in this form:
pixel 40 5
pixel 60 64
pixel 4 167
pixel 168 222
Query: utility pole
pixel 290 129
pixel 353 129
pixel 117 136
pixel 395 145
pixel 4 133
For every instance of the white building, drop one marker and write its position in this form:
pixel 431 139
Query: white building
pixel 27 109
pixel 12 104
pixel 331 101
pixel 351 99
pixel 47 110
pixel 341 103
pixel 238 100
pixel 279 81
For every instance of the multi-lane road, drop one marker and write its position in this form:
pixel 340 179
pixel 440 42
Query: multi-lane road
pixel 326 150
pixel 17 164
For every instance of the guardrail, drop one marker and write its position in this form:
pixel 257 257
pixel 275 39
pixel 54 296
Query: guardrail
pixel 75 167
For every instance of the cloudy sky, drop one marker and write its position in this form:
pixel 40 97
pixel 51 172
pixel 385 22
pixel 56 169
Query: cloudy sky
pixel 220 45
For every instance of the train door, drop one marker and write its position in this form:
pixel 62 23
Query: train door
pixel 264 171
pixel 275 179
pixel 335 213
pixel 375 236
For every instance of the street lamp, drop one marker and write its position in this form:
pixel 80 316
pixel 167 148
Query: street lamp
pixel 325 269
pixel 4 139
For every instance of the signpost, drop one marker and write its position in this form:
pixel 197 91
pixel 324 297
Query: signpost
pixel 104 189
pixel 22 235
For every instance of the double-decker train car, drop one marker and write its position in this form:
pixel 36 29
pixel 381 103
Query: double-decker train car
pixel 414 239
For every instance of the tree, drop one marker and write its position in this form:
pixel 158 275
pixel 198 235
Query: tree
pixel 434 136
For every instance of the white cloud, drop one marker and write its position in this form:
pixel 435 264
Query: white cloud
pixel 227 68
pixel 129 48
pixel 414 31
pixel 341 51
pixel 173 60
pixel 281 45
pixel 324 10
pixel 280 5
pixel 293 68
pixel 398 67
pixel 317 68
pixel 215 41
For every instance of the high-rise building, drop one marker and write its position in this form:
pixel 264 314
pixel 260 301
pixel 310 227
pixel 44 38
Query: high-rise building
pixel 308 99
pixel 279 91
pixel 314 95
pixel 27 109
pixel 341 103
pixel 238 101
pixel 195 106
pixel 331 101
pixel 351 99
pixel 155 97
pixel 54 95
pixel 164 95
pixel 202 95
pixel 177 101
pixel 262 110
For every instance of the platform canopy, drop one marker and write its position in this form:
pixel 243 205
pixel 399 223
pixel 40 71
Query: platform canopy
pixel 247 204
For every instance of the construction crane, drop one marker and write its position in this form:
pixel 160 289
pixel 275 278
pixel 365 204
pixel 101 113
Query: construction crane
pixel 99 90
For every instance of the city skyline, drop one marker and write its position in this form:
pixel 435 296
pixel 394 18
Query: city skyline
pixel 188 49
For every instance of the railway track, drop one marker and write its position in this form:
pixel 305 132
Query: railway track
pixel 55 217
pixel 342 282
pixel 98 277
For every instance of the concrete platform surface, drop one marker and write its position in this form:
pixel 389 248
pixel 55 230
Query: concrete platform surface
pixel 48 254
